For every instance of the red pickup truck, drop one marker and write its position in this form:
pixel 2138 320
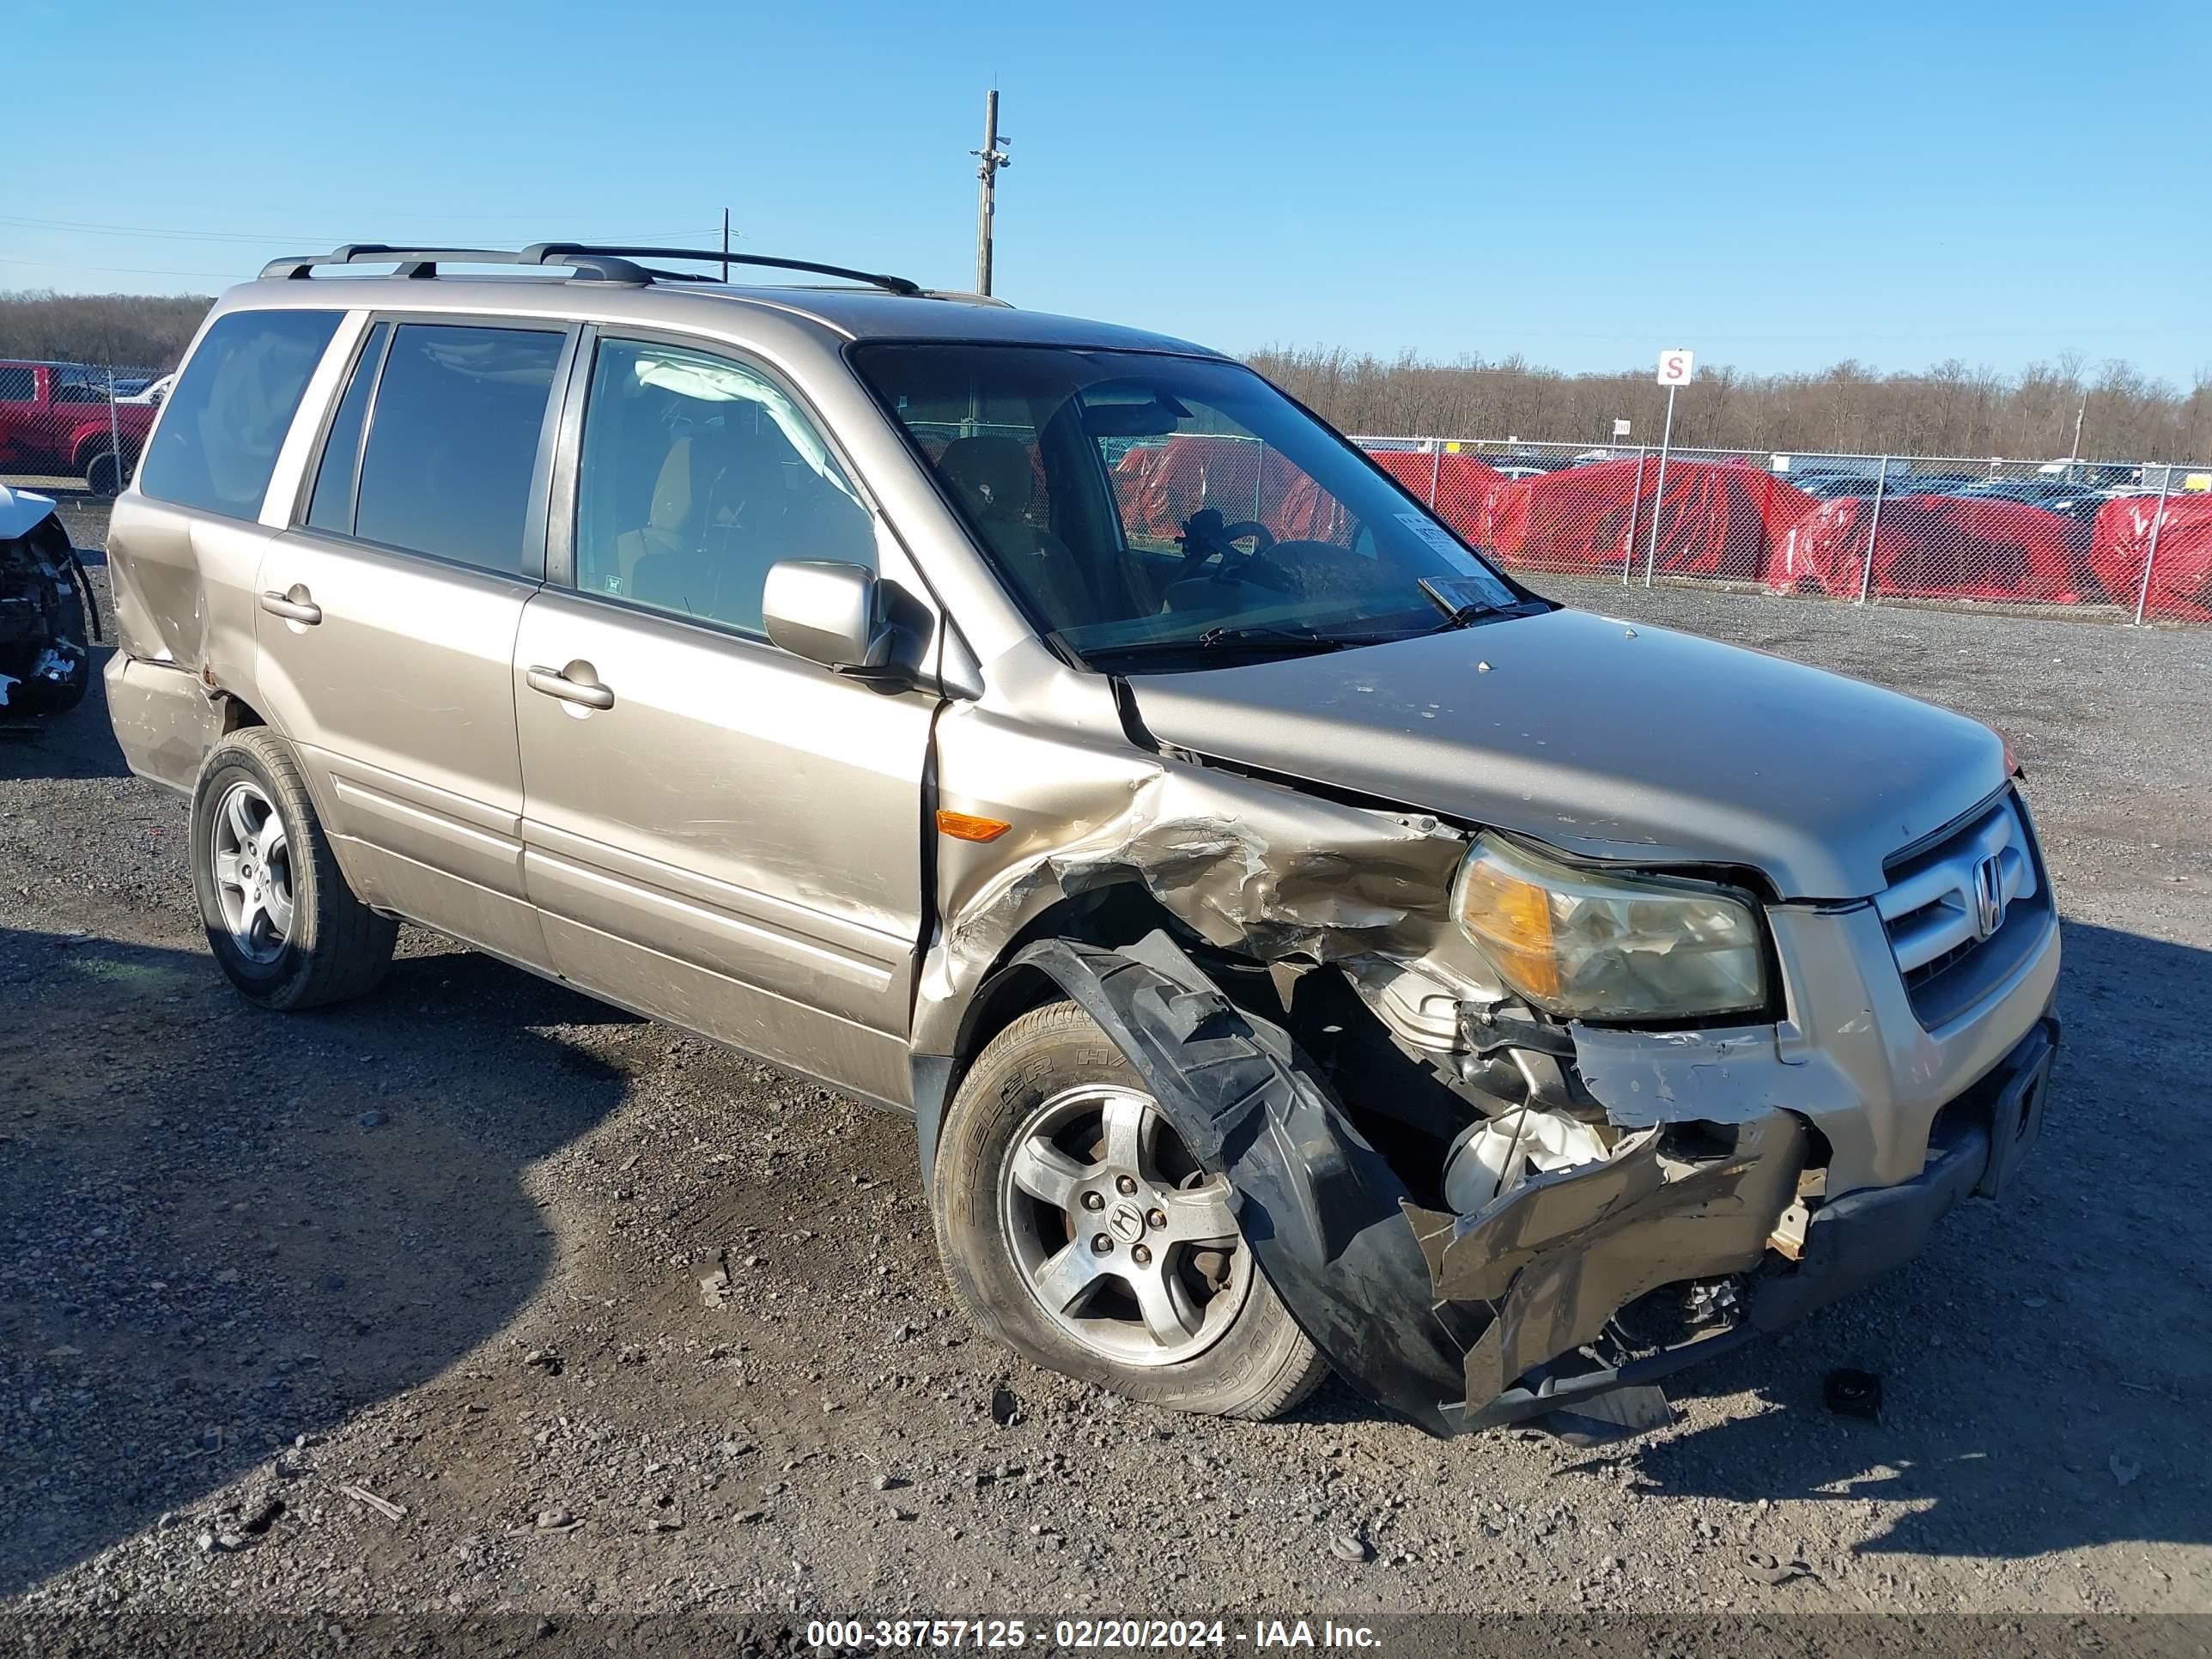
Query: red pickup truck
pixel 55 420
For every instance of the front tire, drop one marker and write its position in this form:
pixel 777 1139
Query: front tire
pixel 1079 1232
pixel 283 925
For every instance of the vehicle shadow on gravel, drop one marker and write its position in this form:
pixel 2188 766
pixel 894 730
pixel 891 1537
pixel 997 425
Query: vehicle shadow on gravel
pixel 2044 1363
pixel 222 1229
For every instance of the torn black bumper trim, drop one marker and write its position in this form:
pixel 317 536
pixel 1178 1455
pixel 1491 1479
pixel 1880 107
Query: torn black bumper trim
pixel 1320 1207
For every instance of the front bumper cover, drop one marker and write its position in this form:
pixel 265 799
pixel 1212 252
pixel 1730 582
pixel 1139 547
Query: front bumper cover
pixel 1449 1321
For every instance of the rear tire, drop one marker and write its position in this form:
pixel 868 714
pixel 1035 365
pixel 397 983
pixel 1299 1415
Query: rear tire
pixel 104 473
pixel 1152 1333
pixel 283 925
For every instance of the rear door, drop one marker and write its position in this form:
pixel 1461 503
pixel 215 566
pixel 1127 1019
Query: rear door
pixel 715 831
pixel 389 612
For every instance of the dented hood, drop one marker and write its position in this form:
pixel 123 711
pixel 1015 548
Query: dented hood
pixel 1606 739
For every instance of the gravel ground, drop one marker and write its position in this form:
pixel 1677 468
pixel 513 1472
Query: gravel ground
pixel 398 1306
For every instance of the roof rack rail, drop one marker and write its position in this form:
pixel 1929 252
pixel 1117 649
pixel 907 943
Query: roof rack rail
pixel 592 262
pixel 546 251
pixel 424 261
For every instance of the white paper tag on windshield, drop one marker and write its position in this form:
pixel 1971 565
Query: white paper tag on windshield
pixel 1434 534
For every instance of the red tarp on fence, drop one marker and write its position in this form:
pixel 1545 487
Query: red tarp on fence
pixel 1159 486
pixel 1718 518
pixel 1460 489
pixel 2181 574
pixel 1936 547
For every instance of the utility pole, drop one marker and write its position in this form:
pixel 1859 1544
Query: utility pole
pixel 726 245
pixel 993 158
pixel 2073 461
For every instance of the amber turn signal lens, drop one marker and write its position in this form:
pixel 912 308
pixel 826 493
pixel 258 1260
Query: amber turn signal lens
pixel 962 826
pixel 1512 919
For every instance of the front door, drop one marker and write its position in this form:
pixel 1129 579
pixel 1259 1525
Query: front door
pixel 388 617
pixel 715 831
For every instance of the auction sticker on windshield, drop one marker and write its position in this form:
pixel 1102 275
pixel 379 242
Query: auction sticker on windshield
pixel 1433 533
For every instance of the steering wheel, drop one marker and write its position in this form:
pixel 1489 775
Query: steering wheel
pixel 1206 538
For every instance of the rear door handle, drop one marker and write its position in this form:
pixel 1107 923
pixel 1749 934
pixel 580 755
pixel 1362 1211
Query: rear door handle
pixel 555 684
pixel 301 609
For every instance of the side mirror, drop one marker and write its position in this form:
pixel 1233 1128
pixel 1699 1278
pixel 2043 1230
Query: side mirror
pixel 830 613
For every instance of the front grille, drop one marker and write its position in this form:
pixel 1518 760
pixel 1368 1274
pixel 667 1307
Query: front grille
pixel 1934 909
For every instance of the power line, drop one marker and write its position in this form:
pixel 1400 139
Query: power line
pixel 128 271
pixel 256 238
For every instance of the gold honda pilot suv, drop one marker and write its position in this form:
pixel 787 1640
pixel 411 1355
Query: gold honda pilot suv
pixel 1297 943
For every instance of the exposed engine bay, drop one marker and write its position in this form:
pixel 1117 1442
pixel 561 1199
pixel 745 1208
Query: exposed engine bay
pixel 47 614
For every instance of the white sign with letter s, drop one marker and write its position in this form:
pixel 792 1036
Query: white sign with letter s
pixel 1675 367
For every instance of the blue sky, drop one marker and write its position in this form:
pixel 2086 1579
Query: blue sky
pixel 1775 185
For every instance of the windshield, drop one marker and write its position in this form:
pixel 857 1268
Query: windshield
pixel 1157 512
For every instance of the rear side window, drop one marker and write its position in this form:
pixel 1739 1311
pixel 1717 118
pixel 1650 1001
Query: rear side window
pixel 230 409
pixel 453 437
pixel 19 384
pixel 331 508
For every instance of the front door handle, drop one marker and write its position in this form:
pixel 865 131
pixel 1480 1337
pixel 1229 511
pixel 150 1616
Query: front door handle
pixel 554 683
pixel 300 609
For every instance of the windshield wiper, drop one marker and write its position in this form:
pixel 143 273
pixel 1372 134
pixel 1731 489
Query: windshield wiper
pixel 1448 596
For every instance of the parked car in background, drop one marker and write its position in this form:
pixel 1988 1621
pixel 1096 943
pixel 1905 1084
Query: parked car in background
pixel 45 608
pixel 150 391
pixel 2052 494
pixel 1830 486
pixel 56 418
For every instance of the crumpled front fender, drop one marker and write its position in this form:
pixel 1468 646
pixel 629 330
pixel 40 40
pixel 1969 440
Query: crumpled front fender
pixel 1323 1213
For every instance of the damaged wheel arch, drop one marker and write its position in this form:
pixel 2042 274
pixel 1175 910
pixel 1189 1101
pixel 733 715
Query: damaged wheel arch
pixel 1322 1210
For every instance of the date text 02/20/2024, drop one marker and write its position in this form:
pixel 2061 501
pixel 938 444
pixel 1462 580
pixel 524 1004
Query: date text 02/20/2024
pixel 1089 1635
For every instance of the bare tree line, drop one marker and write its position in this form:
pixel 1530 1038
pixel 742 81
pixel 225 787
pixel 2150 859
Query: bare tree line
pixel 137 329
pixel 1949 410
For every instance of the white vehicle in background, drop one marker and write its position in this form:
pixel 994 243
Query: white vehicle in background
pixel 152 393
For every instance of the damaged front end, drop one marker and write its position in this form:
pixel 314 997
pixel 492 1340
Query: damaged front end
pixel 46 611
pixel 1483 1208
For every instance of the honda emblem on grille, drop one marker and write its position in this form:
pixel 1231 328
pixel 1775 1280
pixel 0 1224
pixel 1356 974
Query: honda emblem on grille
pixel 1989 896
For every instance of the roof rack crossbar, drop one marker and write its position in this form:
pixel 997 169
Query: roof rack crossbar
pixel 550 251
pixel 592 261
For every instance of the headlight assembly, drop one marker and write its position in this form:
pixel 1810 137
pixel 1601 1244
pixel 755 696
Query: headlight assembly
pixel 1592 946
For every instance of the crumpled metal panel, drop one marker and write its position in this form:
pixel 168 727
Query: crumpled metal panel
pixel 1643 1078
pixel 1557 1256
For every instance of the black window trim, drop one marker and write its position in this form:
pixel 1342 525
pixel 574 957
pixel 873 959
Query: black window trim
pixel 532 571
pixel 303 498
pixel 560 522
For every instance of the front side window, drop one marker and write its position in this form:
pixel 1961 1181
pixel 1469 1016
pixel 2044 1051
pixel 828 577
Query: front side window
pixel 232 405
pixel 454 435
pixel 1159 512
pixel 19 383
pixel 695 475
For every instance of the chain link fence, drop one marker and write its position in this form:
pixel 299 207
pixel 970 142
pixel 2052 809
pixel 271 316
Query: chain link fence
pixel 74 428
pixel 2130 537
